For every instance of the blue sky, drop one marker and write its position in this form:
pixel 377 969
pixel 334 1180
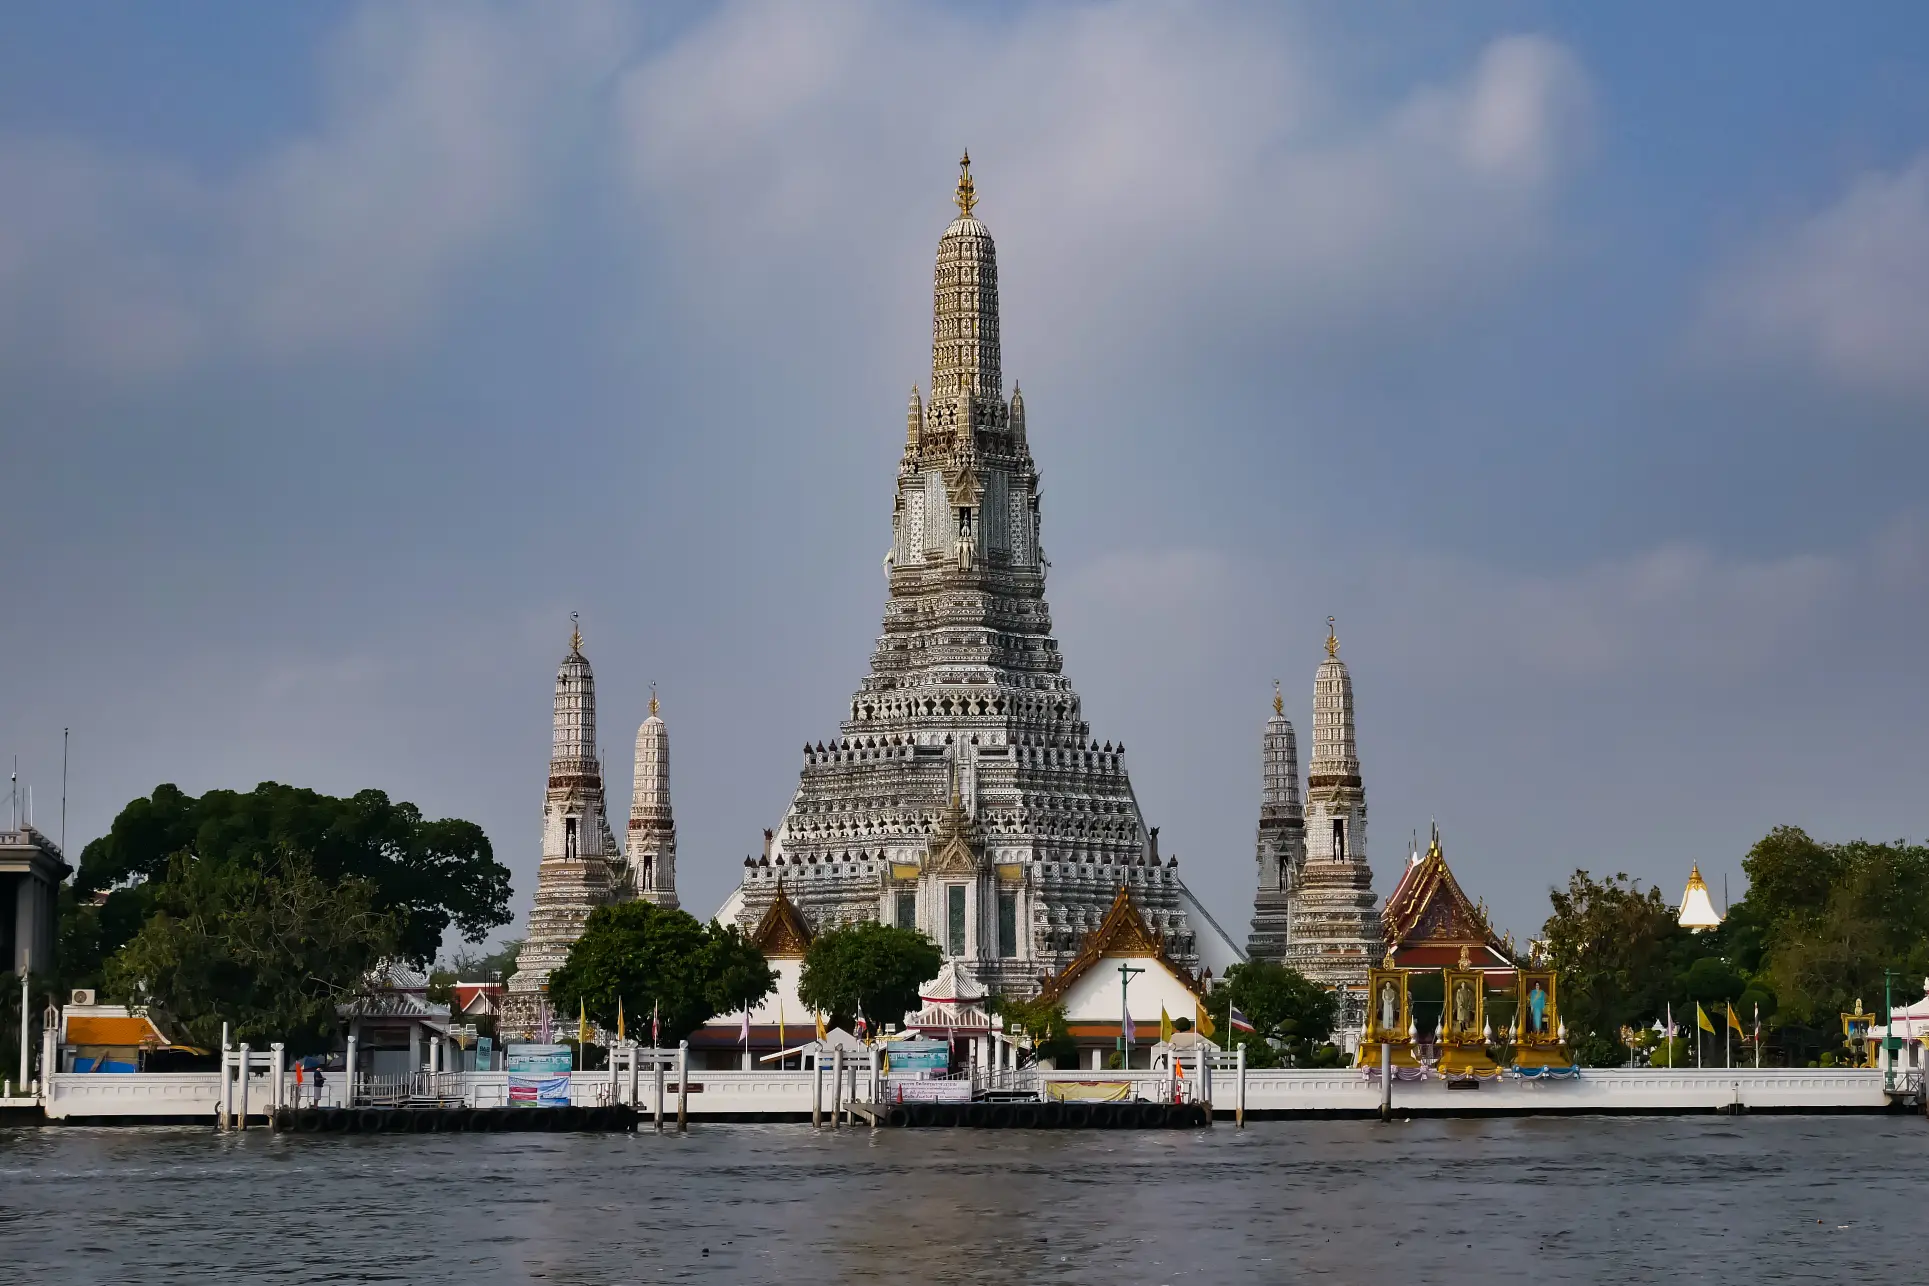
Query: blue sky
pixel 1575 357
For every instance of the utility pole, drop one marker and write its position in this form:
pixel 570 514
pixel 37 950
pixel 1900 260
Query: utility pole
pixel 1126 974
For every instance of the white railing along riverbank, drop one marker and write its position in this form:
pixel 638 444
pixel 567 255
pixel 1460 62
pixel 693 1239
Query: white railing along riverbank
pixel 790 1094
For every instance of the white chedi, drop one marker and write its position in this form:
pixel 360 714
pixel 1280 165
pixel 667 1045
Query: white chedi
pixel 1697 909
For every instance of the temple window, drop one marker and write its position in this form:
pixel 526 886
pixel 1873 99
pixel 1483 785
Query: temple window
pixel 1007 925
pixel 955 919
pixel 907 917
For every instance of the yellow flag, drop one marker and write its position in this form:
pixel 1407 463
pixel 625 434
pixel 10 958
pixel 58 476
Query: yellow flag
pixel 1734 1021
pixel 619 1019
pixel 1202 1022
pixel 582 1023
pixel 1701 1019
pixel 1165 1025
pixel 821 1034
pixel 780 1023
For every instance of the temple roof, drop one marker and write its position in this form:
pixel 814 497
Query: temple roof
pixel 1428 918
pixel 783 931
pixel 1121 933
pixel 953 985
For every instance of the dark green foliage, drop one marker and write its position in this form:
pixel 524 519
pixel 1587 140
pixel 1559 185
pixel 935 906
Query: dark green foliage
pixel 1711 979
pixel 1817 928
pixel 868 967
pixel 431 874
pixel 1615 946
pixel 266 945
pixel 493 966
pixel 642 955
pixel 1044 1021
pixel 1292 1014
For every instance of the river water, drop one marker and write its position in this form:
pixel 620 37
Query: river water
pixel 1511 1202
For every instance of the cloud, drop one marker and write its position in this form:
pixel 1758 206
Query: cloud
pixel 428 148
pixel 1150 170
pixel 1845 292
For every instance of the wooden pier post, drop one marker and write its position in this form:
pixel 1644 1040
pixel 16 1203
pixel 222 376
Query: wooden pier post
pixel 817 1090
pixel 1386 1081
pixel 1239 1094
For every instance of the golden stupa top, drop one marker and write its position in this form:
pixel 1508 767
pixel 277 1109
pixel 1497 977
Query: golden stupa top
pixel 1332 640
pixel 575 634
pixel 1279 702
pixel 967 194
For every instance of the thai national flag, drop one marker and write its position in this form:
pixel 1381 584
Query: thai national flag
pixel 1239 1021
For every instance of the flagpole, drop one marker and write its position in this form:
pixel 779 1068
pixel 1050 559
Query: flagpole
pixel 1758 1035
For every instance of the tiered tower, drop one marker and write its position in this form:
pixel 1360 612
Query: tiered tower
pixel 1282 837
pixel 1335 930
pixel 580 869
pixel 965 794
pixel 651 842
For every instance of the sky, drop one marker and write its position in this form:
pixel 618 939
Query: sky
pixel 1574 357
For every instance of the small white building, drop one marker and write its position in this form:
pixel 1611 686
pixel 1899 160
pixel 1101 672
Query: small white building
pixel 1911 1023
pixel 1097 996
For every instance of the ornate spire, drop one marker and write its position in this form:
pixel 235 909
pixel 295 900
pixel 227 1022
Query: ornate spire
pixel 1279 702
pixel 967 194
pixel 575 634
pixel 1332 640
pixel 650 844
pixel 964 325
pixel 1335 753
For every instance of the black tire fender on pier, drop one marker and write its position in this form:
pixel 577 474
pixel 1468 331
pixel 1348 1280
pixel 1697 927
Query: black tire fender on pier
pixel 1025 1116
pixel 1078 1116
pixel 308 1120
pixel 898 1117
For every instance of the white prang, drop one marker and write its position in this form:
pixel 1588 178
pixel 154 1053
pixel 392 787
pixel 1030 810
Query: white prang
pixel 651 842
pixel 965 794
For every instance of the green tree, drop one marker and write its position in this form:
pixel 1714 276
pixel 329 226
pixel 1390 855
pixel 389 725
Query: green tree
pixel 433 875
pixel 266 945
pixel 644 955
pixel 1614 946
pixel 490 966
pixel 1291 1014
pixel 1044 1021
pixel 869 968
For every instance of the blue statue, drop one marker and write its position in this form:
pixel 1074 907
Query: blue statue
pixel 1537 1009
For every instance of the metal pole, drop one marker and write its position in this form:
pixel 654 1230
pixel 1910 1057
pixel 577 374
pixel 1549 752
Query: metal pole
pixel 1239 1099
pixel 875 1096
pixel 657 1064
pixel 227 1086
pixel 683 1086
pixel 348 1069
pixel 26 1072
pixel 244 1086
pixel 817 1089
pixel 1386 1081
pixel 280 1064
pixel 837 1088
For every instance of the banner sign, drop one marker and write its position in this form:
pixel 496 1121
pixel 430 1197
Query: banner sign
pixel 538 1075
pixel 908 1056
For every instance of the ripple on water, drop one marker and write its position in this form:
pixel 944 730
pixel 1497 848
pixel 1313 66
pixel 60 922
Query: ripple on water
pixel 1573 1200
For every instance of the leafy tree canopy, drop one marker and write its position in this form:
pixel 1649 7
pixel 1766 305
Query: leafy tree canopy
pixel 266 945
pixel 1291 1014
pixel 1616 947
pixel 869 968
pixel 643 955
pixel 1044 1021
pixel 430 874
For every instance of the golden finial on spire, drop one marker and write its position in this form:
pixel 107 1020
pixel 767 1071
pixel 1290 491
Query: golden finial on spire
pixel 967 195
pixel 1279 702
pixel 652 697
pixel 575 634
pixel 1332 640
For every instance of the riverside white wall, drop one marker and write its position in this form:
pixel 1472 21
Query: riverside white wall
pixel 78 1096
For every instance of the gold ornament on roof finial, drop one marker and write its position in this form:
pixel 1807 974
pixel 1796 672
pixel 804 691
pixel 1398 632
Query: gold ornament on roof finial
pixel 575 634
pixel 652 696
pixel 1279 702
pixel 967 196
pixel 1332 639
